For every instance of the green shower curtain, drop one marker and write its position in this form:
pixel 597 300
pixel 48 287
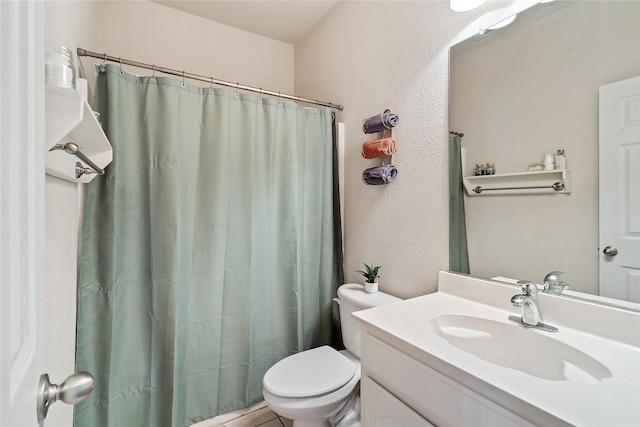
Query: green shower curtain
pixel 458 253
pixel 209 251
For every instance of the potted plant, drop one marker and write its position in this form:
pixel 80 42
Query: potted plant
pixel 371 274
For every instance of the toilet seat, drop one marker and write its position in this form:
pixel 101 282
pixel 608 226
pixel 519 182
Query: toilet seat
pixel 309 373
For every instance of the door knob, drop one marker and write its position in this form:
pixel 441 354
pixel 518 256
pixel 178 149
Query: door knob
pixel 74 389
pixel 610 251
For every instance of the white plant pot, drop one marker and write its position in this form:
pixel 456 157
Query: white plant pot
pixel 371 287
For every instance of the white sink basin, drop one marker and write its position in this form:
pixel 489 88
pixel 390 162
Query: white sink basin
pixel 587 373
pixel 513 346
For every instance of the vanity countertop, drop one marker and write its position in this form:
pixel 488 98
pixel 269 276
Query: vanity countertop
pixel 580 375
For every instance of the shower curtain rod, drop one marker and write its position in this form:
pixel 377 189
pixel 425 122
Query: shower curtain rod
pixel 192 76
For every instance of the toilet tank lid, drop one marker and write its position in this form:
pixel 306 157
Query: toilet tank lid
pixel 355 295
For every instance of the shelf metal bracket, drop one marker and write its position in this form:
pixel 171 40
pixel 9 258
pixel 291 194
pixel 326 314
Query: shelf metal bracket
pixel 72 148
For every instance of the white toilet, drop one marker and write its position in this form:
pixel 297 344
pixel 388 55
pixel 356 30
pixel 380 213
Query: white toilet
pixel 312 386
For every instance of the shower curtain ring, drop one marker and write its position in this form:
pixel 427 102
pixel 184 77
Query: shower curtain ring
pixel 103 66
pixel 237 89
pixel 183 82
pixel 120 61
pixel 153 75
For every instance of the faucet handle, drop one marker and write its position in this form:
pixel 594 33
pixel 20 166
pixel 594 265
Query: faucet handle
pixel 528 288
pixel 553 284
pixel 554 276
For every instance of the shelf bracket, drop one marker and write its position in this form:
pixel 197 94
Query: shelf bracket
pixel 72 148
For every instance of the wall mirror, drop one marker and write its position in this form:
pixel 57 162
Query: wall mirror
pixel 529 89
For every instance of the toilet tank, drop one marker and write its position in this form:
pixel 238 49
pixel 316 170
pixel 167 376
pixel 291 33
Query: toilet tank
pixel 352 297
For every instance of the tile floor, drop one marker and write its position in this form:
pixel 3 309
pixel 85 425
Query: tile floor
pixel 258 415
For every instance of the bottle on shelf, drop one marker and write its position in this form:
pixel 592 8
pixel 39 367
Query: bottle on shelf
pixel 561 159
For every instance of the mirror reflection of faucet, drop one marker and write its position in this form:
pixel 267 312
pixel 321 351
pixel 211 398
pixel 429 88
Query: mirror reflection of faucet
pixel 528 301
pixel 552 283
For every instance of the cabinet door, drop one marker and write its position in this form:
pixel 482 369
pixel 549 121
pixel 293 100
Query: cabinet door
pixel 382 409
pixel 430 393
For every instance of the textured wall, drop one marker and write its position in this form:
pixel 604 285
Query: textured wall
pixel 375 55
pixel 156 34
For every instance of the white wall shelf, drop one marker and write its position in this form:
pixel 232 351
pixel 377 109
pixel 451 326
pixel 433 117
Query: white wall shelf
pixel 519 183
pixel 69 118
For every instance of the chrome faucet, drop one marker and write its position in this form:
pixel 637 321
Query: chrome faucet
pixel 528 300
pixel 552 283
pixel 531 314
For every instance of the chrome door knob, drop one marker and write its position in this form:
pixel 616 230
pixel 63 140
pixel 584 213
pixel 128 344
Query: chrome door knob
pixel 74 389
pixel 610 251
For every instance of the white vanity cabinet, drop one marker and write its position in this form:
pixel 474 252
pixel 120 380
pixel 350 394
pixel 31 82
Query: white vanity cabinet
pixel 383 409
pixel 454 358
pixel 398 390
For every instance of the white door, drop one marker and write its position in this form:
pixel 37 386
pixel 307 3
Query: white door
pixel 620 190
pixel 21 209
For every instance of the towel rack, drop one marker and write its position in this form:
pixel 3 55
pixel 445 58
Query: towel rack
pixel 557 186
pixel 386 173
pixel 72 148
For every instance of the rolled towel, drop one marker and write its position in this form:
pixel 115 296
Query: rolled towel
pixel 379 148
pixel 379 123
pixel 379 175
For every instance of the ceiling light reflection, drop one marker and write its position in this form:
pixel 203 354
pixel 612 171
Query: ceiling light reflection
pixel 500 24
pixel 464 5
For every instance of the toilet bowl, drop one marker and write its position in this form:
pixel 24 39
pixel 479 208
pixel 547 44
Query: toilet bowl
pixel 314 386
pixel 308 396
